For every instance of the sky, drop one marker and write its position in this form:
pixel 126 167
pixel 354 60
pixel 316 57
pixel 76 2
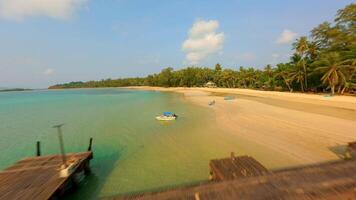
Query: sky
pixel 45 42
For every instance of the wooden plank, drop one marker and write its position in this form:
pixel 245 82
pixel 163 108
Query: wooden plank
pixel 236 167
pixel 333 180
pixel 38 177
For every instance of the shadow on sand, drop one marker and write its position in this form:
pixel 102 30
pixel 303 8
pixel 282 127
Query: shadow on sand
pixel 340 151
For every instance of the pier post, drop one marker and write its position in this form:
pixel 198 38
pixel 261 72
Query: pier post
pixel 38 148
pixel 90 144
pixel 60 137
pixel 232 155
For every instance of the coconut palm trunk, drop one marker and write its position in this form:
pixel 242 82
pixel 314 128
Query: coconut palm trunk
pixel 343 90
pixel 302 86
pixel 332 89
pixel 287 84
pixel 305 75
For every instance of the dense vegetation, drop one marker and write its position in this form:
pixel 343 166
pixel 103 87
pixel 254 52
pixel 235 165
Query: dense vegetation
pixel 325 61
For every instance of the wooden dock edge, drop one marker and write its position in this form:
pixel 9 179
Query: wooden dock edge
pixel 328 180
pixel 44 177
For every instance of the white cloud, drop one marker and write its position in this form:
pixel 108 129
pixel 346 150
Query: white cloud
pixel 48 72
pixel 20 9
pixel 286 37
pixel 203 41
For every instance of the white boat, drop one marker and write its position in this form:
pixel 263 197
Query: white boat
pixel 167 116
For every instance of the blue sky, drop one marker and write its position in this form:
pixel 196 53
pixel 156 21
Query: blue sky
pixel 69 40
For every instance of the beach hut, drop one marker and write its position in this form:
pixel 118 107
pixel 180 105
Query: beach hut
pixel 210 84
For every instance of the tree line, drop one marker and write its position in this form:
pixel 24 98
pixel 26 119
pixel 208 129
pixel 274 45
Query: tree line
pixel 325 61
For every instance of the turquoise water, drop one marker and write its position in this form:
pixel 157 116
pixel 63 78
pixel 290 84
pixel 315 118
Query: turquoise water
pixel 133 152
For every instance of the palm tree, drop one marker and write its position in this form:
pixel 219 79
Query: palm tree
pixel 251 77
pixel 298 76
pixel 334 69
pixel 302 47
pixel 269 70
pixel 350 72
pixel 287 78
pixel 268 77
pixel 298 73
pixel 242 77
pixel 312 50
pixel 283 72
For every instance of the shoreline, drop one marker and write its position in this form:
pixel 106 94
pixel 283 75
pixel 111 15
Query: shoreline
pixel 315 98
pixel 305 127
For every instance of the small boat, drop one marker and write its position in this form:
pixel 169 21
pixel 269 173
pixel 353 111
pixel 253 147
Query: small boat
pixel 167 116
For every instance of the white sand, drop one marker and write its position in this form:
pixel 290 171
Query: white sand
pixel 306 127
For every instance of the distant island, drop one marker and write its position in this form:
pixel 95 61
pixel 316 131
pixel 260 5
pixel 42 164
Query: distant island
pixel 324 62
pixel 13 89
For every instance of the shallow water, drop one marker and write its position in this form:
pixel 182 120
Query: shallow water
pixel 132 151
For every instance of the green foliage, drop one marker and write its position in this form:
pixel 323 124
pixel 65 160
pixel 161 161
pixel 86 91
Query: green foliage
pixel 218 67
pixel 325 61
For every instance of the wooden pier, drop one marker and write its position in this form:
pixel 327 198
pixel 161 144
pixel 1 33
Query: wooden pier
pixel 235 167
pixel 248 179
pixel 43 177
pixel 39 177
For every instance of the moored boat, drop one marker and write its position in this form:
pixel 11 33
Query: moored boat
pixel 167 116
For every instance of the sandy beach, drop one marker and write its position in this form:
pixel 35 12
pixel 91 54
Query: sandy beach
pixel 309 128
